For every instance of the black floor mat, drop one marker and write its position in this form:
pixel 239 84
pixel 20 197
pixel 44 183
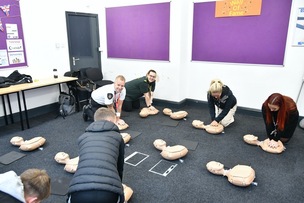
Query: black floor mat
pixel 11 157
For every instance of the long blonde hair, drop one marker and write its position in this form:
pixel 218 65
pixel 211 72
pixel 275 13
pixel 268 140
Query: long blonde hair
pixel 216 85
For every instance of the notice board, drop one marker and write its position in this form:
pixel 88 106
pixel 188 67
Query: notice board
pixel 138 32
pixel 242 39
pixel 12 49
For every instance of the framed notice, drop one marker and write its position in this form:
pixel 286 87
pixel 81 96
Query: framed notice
pixel 234 8
pixel 12 49
pixel 298 38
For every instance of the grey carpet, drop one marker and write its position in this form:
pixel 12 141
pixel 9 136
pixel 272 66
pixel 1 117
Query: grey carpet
pixel 280 177
pixel 60 186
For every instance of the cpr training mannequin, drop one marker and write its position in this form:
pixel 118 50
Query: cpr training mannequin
pixel 28 145
pixel 253 140
pixel 146 111
pixel 175 115
pixel 72 164
pixel 121 124
pixel 126 137
pixel 168 152
pixel 128 192
pixel 71 167
pixel 239 175
pixel 210 129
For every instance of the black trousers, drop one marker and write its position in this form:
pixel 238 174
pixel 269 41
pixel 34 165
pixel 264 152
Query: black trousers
pixel 92 107
pixel 95 196
pixel 130 105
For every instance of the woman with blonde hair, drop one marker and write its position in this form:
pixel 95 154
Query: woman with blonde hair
pixel 222 103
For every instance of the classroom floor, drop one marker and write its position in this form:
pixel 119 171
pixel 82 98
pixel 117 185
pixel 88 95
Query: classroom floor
pixel 279 177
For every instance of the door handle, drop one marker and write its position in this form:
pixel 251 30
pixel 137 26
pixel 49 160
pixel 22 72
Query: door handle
pixel 74 60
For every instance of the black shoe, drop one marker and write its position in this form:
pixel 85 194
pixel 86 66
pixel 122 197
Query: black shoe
pixel 84 115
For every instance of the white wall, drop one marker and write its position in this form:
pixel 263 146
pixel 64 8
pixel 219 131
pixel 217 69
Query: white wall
pixel 44 28
pixel 252 84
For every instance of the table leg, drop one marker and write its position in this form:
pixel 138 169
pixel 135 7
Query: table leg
pixel 20 111
pixel 10 108
pixel 4 110
pixel 59 87
pixel 25 110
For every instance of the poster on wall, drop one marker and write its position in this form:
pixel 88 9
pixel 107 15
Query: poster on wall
pixel 12 50
pixel 234 8
pixel 298 38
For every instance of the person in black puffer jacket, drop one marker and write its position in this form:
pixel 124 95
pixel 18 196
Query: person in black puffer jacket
pixel 101 158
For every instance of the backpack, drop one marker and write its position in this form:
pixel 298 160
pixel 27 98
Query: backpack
pixel 83 81
pixel 67 104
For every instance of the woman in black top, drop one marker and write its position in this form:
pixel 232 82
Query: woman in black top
pixel 281 117
pixel 222 104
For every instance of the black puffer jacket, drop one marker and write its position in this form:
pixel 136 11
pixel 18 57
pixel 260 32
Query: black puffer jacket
pixel 101 159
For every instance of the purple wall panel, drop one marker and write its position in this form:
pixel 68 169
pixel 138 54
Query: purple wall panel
pixel 139 32
pixel 13 18
pixel 251 39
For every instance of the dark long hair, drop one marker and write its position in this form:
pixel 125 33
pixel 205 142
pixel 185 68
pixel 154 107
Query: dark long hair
pixel 285 105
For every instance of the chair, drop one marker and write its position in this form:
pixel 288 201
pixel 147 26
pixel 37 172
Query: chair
pixel 96 76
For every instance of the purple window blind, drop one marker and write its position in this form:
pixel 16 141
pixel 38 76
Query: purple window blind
pixel 251 39
pixel 12 47
pixel 138 32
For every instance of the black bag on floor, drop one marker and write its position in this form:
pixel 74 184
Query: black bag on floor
pixel 83 82
pixel 67 104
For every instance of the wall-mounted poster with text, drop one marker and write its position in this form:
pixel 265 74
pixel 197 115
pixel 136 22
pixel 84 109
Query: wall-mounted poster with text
pixel 298 38
pixel 12 50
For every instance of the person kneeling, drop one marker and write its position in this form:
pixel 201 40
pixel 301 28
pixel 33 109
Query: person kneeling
pixel 101 151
